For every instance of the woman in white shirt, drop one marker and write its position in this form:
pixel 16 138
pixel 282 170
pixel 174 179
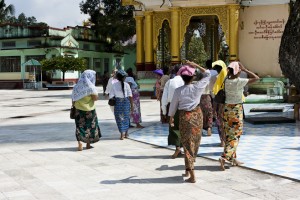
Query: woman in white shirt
pixel 186 99
pixel 123 95
pixel 233 110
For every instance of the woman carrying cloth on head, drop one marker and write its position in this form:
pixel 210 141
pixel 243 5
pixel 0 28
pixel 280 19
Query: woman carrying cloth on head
pixel 221 68
pixel 233 110
pixel 186 99
pixel 84 96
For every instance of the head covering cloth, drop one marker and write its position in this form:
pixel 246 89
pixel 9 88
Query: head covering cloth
pixel 85 85
pixel 122 72
pixel 220 78
pixel 159 72
pixel 235 66
pixel 186 70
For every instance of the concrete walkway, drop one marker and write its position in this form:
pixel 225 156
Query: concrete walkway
pixel 38 159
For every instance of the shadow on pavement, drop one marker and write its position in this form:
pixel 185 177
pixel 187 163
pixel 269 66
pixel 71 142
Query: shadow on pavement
pixel 133 180
pixel 142 157
pixel 211 168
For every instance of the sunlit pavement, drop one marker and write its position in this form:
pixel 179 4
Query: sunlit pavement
pixel 39 160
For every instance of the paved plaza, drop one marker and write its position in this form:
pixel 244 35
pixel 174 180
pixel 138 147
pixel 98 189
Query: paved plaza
pixel 39 157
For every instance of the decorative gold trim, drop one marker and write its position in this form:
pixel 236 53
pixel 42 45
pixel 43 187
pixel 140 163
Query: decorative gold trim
pixel 220 11
pixel 158 20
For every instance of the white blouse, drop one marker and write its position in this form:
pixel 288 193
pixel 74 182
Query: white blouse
pixel 234 89
pixel 116 90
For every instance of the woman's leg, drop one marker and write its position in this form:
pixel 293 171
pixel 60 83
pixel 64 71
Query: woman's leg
pixel 233 132
pixel 79 146
pixel 176 153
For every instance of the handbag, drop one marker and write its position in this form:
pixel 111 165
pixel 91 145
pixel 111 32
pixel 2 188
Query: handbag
pixel 112 101
pixel 73 112
pixel 221 95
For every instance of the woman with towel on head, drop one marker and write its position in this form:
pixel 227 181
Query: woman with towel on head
pixel 186 99
pixel 84 96
pixel 233 110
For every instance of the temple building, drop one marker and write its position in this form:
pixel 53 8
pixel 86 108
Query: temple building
pixel 21 43
pixel 246 30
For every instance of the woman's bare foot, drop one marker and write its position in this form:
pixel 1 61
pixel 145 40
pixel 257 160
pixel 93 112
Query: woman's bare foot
pixel 222 163
pixel 80 146
pixel 192 178
pixel 139 126
pixel 177 152
pixel 88 146
pixel 235 162
pixel 126 135
pixel 186 174
pixel 209 132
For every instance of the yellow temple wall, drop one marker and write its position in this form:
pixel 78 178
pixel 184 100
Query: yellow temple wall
pixel 260 31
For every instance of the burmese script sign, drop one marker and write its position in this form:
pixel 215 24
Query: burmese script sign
pixel 268 30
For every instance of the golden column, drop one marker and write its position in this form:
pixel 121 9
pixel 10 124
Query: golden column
pixel 140 58
pixel 233 32
pixel 175 35
pixel 149 58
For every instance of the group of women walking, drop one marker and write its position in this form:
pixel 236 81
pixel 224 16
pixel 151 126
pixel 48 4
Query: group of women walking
pixel 186 101
pixel 192 119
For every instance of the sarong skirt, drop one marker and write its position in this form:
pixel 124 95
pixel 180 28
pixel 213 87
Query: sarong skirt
pixel 233 127
pixel 122 114
pixel 87 127
pixel 135 116
pixel 207 109
pixel 190 127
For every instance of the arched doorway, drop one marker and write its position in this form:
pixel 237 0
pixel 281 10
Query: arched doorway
pixel 203 40
pixel 163 54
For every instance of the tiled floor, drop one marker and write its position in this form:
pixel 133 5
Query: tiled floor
pixel 272 148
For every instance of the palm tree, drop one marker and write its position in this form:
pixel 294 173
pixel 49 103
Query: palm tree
pixel 6 11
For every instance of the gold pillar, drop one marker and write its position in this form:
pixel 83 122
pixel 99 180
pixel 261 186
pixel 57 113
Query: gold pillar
pixel 233 32
pixel 140 58
pixel 175 35
pixel 149 58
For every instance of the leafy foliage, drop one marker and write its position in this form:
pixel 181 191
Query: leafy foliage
pixel 6 11
pixel 23 20
pixel 111 20
pixel 196 51
pixel 289 56
pixel 64 64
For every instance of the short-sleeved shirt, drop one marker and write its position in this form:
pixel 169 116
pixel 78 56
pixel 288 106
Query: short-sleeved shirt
pixel 85 104
pixel 187 97
pixel 116 90
pixel 234 89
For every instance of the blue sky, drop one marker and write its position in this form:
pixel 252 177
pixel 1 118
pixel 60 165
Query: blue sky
pixel 56 13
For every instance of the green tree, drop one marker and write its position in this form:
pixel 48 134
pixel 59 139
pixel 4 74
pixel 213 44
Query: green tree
pixel 196 51
pixel 6 11
pixel 110 19
pixel 64 64
pixel 289 56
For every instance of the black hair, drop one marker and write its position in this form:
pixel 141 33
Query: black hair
pixel 230 70
pixel 176 68
pixel 186 79
pixel 218 68
pixel 120 78
pixel 165 70
pixel 208 64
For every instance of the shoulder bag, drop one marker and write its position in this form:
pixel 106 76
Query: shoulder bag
pixel 73 112
pixel 112 101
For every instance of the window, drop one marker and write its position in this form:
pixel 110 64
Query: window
pixel 9 44
pixel 106 64
pixel 98 47
pixel 10 64
pixel 34 43
pixel 86 47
